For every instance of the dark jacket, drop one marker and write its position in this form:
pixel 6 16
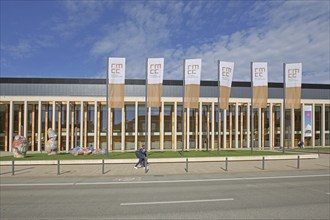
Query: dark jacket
pixel 142 153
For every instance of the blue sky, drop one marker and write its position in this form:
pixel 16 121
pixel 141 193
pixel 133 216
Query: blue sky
pixel 72 39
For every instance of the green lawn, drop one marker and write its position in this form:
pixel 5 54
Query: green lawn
pixel 130 155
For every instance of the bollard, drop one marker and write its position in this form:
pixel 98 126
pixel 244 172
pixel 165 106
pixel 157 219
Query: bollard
pixel 226 164
pixel 298 162
pixel 102 167
pixel 263 163
pixel 186 165
pixel 12 167
pixel 146 165
pixel 58 167
pixel 318 152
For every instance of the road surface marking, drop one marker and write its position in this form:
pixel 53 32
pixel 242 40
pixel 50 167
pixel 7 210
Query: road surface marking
pixel 163 181
pixel 176 202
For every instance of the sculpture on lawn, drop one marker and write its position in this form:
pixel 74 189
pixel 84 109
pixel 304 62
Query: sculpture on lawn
pixel 51 145
pixel 20 146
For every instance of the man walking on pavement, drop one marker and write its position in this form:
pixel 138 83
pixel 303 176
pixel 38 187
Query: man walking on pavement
pixel 141 154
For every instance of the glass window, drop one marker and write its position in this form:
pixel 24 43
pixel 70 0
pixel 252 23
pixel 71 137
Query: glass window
pixel 168 114
pixel 277 125
pixel 327 125
pixel 4 126
pixel 318 124
pixel 130 118
pixel 297 126
pixel 141 118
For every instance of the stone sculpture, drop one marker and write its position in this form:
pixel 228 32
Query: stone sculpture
pixel 51 144
pixel 20 146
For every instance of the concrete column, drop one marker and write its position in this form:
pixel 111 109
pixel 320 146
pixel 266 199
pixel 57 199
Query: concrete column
pixel 25 118
pixel 259 129
pixel 95 125
pixel 271 132
pixel 67 126
pixel 123 131
pixel 323 126
pixel 53 115
pixel 175 126
pixel 149 129
pixel 212 127
pixel 200 125
pixel 225 128
pixel 292 128
pixel 236 125
pixel 282 125
pixel 313 127
pixel 248 124
pixel 39 125
pixel 11 124
pixel 136 125
pixel 85 125
pixel 161 138
pixel 33 126
pixel 188 129
pixel 81 124
pixel 110 128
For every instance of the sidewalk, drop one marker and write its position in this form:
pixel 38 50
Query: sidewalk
pixel 157 167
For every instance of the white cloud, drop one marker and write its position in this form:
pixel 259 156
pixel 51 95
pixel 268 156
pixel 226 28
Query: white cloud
pixel 291 32
pixel 78 14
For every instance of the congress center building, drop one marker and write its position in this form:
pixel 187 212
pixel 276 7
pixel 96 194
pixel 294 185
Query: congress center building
pixel 76 108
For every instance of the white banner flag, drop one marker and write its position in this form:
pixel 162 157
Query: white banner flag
pixel 192 71
pixel 226 71
pixel 155 70
pixel 116 89
pixel 259 74
pixel 116 70
pixel 293 74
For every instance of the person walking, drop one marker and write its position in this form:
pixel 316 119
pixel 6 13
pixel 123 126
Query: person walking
pixel 141 154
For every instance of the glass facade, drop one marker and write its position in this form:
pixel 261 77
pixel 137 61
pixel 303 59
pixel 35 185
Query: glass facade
pixel 88 125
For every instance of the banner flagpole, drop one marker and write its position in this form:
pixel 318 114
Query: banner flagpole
pixel 183 109
pixel 219 110
pixel 107 88
pixel 251 114
pixel 146 144
pixel 284 110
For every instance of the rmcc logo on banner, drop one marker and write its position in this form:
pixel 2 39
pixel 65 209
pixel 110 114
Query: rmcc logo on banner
pixel 293 74
pixel 259 73
pixel 155 69
pixel 226 72
pixel 116 68
pixel 192 69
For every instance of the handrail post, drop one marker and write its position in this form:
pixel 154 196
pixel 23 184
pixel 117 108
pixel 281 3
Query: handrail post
pixel 58 167
pixel 12 167
pixel 145 165
pixel 263 163
pixel 102 166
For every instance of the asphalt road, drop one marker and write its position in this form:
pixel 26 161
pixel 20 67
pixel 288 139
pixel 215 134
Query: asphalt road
pixel 257 195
